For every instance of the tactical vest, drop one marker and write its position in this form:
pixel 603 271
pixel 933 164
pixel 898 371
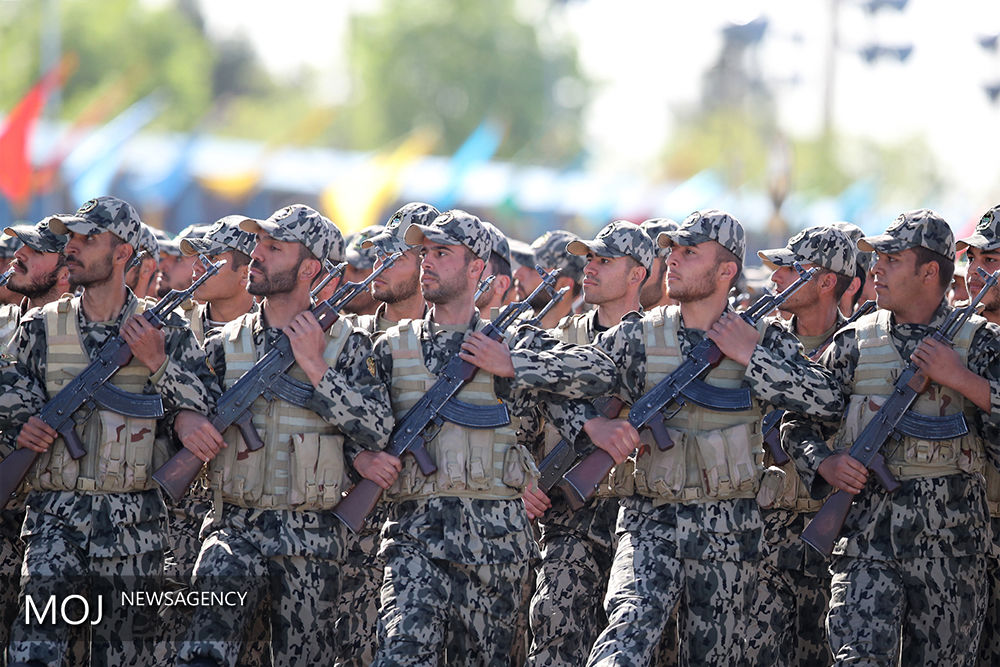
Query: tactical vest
pixel 301 466
pixel 879 366
pixel 119 454
pixel 716 455
pixel 194 313
pixel 472 463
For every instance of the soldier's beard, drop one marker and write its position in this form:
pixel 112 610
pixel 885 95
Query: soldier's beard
pixel 281 282
pixel 397 293
pixel 695 289
pixel 35 288
pixel 91 275
pixel 445 291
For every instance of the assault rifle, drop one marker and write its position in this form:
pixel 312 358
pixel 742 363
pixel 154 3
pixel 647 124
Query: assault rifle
pixel 536 319
pixel 894 420
pixel 769 425
pixel 422 422
pixel 332 271
pixel 6 276
pixel 682 385
pixel 91 388
pixel 266 378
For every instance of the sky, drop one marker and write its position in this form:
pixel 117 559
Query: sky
pixel 646 59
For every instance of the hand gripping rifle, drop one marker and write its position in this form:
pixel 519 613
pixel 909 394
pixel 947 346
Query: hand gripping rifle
pixel 771 421
pixel 894 420
pixel 91 388
pixel 422 422
pixel 682 385
pixel 266 378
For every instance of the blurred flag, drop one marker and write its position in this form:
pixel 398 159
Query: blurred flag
pixel 355 203
pixel 478 148
pixel 15 177
pixel 92 166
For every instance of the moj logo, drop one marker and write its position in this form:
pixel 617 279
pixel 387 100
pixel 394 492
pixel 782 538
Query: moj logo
pixel 74 610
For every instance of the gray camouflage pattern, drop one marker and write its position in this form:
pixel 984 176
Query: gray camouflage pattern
pixel 303 224
pixel 653 228
pixel 855 233
pixel 824 246
pixel 392 239
pixel 920 227
pixel 359 254
pixel 550 253
pixel 225 234
pixel 454 227
pixel 38 237
pixel 708 225
pixel 620 238
pixel 987 233
pixel 102 214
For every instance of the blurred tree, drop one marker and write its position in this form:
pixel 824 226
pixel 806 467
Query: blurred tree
pixel 450 64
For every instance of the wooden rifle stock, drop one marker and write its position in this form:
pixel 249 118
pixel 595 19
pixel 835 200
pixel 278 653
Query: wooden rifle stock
pixel 582 480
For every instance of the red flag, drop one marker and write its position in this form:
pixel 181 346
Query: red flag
pixel 15 177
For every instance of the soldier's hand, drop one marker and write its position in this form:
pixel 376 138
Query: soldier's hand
pixel 197 434
pixel 735 337
pixel 940 362
pixel 36 435
pixel 380 467
pixel 146 342
pixel 490 355
pixel 615 436
pixel 536 502
pixel 308 344
pixel 844 472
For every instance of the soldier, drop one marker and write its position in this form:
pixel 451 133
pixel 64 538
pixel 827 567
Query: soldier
pixel 862 288
pixel 577 546
pixel 269 530
pixel 501 291
pixel 908 582
pixel 457 544
pixel 689 524
pixel 141 277
pixel 654 292
pixel 99 516
pixel 175 267
pixel 983 252
pixel 550 253
pixel 793 585
pixel 8 245
pixel 360 261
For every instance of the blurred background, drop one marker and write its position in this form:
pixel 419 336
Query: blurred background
pixel 535 114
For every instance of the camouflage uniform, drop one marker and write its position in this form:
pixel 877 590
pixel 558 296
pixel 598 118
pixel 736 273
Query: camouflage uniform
pixel 276 537
pixel 577 547
pixel 456 559
pixel 793 584
pixel 115 538
pixel 908 567
pixel 704 549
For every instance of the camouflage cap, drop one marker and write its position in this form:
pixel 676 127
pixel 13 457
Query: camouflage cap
pixel 550 253
pixel 922 227
pixel 986 236
pixel 865 259
pixel 501 245
pixel 709 225
pixel 149 243
pixel 362 256
pixel 656 226
pixel 392 238
pixel 222 236
pixel 38 237
pixel 821 245
pixel 620 238
pixel 10 244
pixel 303 224
pixel 521 254
pixel 454 227
pixel 102 214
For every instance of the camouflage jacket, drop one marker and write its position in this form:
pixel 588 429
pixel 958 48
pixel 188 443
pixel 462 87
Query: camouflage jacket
pixel 347 396
pixel 184 381
pixel 466 530
pixel 926 517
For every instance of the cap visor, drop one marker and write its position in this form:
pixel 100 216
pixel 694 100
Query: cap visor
pixel 416 234
pixel 883 243
pixel 60 225
pixel 680 237
pixel 977 241
pixel 202 247
pixel 385 242
pixel 779 257
pixel 597 247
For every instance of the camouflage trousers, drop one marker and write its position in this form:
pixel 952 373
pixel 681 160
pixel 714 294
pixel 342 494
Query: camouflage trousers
pixel 436 612
pixel 989 640
pixel 360 581
pixel 566 609
pixel 918 611
pixel 303 591
pixel 647 582
pixel 787 623
pixel 11 555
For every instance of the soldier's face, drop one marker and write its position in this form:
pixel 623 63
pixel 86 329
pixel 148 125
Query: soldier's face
pixel 88 258
pixel 447 272
pixel 804 297
pixel 653 291
pixel 175 273
pixel 226 284
pixel 35 273
pixel 274 266
pixel 605 279
pixel 989 261
pixel 363 302
pixel 692 272
pixel 526 280
pixel 400 281
pixel 895 281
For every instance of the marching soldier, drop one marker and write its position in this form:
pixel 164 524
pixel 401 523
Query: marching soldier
pixel 793 586
pixel 654 292
pixel 360 260
pixel 99 516
pixel 908 570
pixel 175 267
pixel 577 546
pixel 690 525
pixel 501 290
pixel 269 530
pixel 141 277
pixel 550 253
pixel 457 543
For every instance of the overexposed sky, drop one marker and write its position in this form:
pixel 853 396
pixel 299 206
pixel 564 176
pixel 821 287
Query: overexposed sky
pixel 646 58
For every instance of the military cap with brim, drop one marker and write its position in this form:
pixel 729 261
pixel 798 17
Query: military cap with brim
pixel 620 238
pixel 521 254
pixel 38 237
pixel 102 214
pixel 986 236
pixel 656 226
pixel 921 227
pixel 299 223
pixel 708 225
pixel 226 234
pixel 393 238
pixel 359 255
pixel 550 253
pixel 501 245
pixel 821 245
pixel 455 227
